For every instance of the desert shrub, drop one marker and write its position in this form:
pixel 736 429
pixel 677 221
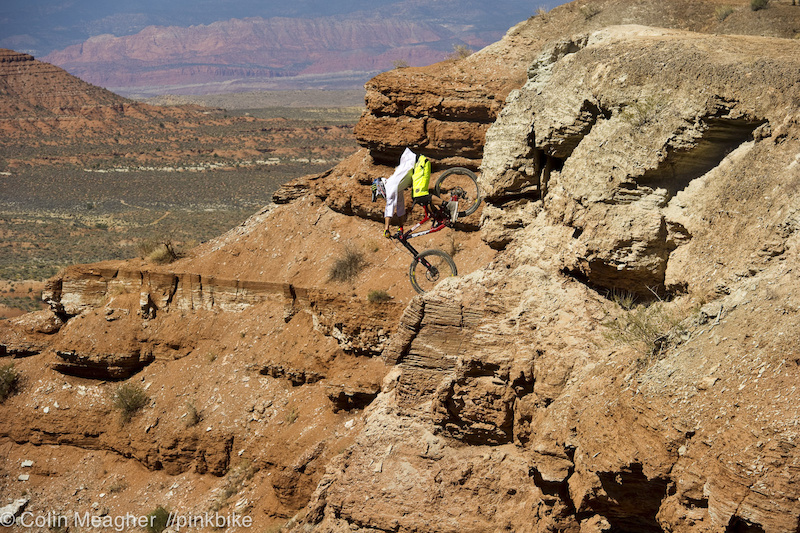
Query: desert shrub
pixel 378 296
pixel 723 12
pixel 157 251
pixel 756 5
pixel 157 520
pixel 291 416
pixel 118 486
pixel 645 327
pixel 400 63
pixel 129 398
pixel 460 51
pixel 643 112
pixel 9 380
pixel 193 416
pixel 348 265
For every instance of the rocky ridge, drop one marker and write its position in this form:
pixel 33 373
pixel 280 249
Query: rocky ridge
pixel 506 401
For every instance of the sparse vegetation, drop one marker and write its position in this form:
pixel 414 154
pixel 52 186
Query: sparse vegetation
pixel 59 212
pixel 723 12
pixel 460 51
pixel 378 296
pixel 157 520
pixel 129 398
pixel 193 416
pixel 643 112
pixel 400 63
pixel 117 486
pixel 9 381
pixel 291 416
pixel 757 5
pixel 645 327
pixel 452 246
pixel 159 252
pixel 348 265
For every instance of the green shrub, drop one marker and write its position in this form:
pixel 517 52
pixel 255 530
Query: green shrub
pixel 349 265
pixel 756 5
pixel 378 296
pixel 129 398
pixel 9 380
pixel 157 520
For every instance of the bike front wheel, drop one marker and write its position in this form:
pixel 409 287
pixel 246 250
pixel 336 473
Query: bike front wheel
pixel 429 268
pixel 461 185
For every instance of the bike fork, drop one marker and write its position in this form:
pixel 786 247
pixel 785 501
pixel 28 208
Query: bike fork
pixel 432 269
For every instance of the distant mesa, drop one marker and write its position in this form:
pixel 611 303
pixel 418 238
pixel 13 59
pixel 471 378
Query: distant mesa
pixel 257 53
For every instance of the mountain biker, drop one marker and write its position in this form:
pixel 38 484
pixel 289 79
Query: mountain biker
pixel 413 171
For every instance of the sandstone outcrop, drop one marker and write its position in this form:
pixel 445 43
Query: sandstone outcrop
pixel 615 151
pixel 510 406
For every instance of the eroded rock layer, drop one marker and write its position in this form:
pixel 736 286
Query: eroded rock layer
pixel 528 396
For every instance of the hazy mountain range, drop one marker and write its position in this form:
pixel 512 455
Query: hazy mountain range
pixel 147 47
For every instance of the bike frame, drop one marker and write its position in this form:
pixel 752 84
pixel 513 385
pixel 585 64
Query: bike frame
pixel 438 223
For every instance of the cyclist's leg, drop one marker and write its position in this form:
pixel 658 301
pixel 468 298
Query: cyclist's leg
pixel 395 199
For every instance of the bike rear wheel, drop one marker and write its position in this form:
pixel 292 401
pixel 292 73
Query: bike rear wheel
pixel 429 268
pixel 459 184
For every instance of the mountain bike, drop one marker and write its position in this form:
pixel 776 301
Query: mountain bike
pixel 457 190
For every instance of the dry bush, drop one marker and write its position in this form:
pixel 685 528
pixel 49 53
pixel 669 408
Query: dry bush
pixel 348 265
pixel 9 380
pixel 193 416
pixel 460 51
pixel 157 520
pixel 378 296
pixel 648 328
pixel 723 12
pixel 129 398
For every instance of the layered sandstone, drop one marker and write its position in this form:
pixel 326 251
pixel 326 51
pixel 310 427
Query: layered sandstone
pixel 510 407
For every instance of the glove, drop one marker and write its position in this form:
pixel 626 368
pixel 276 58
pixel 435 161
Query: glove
pixel 374 192
pixel 387 234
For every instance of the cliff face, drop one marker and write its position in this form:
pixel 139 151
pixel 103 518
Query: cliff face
pixel 619 353
pixel 668 168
